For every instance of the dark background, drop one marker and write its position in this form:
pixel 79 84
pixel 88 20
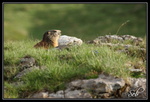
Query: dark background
pixel 85 21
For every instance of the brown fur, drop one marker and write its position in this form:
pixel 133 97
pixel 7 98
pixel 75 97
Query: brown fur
pixel 50 39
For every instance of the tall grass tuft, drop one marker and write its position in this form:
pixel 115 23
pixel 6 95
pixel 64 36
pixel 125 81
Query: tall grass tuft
pixel 122 26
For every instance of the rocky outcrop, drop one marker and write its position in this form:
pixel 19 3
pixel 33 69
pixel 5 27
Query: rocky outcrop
pixel 71 94
pixel 27 64
pixel 40 95
pixel 25 71
pixel 128 44
pixel 68 40
pixel 136 90
pixel 105 86
pixel 118 38
pixel 99 87
pixel 123 43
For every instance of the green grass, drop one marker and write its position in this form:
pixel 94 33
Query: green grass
pixel 79 62
pixel 10 91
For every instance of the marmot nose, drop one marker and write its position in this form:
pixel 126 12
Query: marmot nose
pixel 58 31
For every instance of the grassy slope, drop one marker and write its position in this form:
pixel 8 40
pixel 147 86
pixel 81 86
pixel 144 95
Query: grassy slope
pixel 85 61
pixel 23 21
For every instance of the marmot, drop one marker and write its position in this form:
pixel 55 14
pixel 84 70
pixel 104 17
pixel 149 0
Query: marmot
pixel 50 39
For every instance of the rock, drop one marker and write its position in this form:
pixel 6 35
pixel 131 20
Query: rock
pixel 68 40
pixel 101 87
pixel 119 38
pixel 137 89
pixel 133 38
pixel 76 84
pixel 128 44
pixel 27 62
pixel 139 82
pixel 40 95
pixel 103 84
pixel 77 94
pixel 70 94
pixel 25 71
pixel 59 94
pixel 10 71
pixel 104 95
pixel 135 70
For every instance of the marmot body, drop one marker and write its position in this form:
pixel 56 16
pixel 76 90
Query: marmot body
pixel 50 39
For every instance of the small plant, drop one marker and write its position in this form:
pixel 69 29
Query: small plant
pixel 122 26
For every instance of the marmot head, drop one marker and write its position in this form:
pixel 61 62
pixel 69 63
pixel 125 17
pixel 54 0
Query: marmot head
pixel 50 39
pixel 51 35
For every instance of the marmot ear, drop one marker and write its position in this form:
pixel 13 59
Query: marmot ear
pixel 48 32
pixel 45 35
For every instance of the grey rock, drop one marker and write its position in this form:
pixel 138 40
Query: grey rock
pixel 104 95
pixel 102 87
pixel 139 82
pixel 25 71
pixel 27 62
pixel 117 41
pixel 78 94
pixel 102 84
pixel 40 95
pixel 59 94
pixel 55 96
pixel 114 37
pixel 68 93
pixel 73 94
pixel 137 89
pixel 135 70
pixel 76 84
pixel 68 40
pixel 120 38
pixel 126 37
